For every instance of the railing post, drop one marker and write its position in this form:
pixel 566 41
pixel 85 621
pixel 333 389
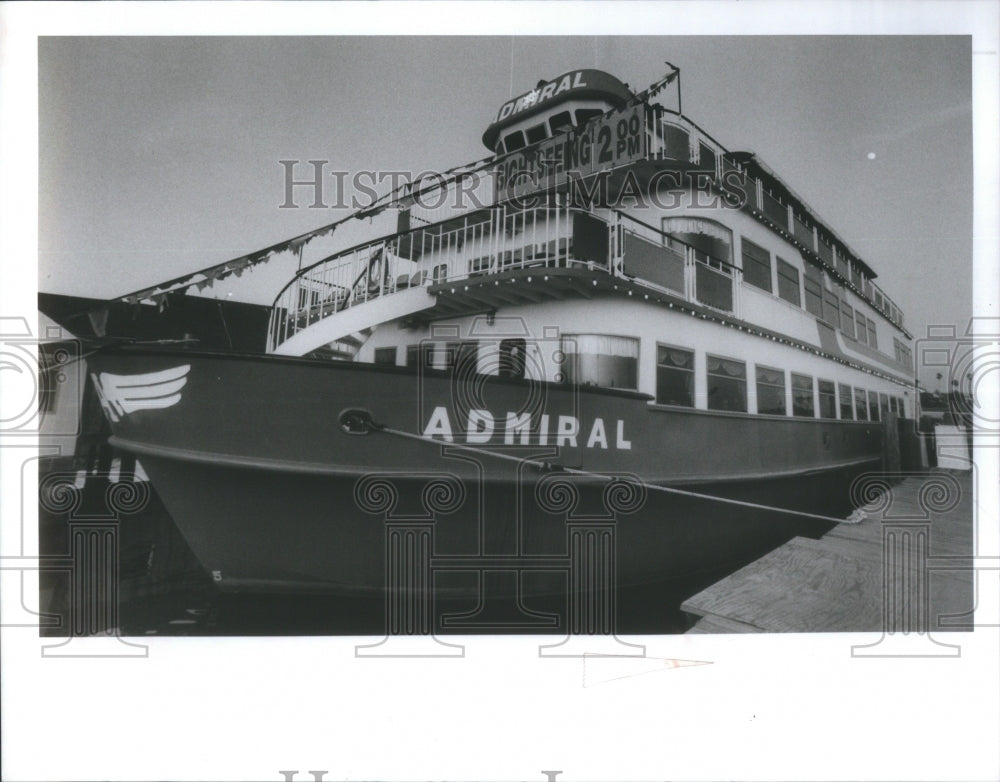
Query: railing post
pixel 690 286
pixel 617 246
pixel 737 308
pixel 354 276
pixel 384 271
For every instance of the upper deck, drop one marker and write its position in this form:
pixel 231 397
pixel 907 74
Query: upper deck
pixel 531 225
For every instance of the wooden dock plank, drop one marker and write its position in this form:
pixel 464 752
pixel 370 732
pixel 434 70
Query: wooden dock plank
pixel 842 582
pixel 797 589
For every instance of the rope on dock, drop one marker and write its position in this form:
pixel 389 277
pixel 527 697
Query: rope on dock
pixel 363 419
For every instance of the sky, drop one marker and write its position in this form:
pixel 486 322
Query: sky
pixel 159 156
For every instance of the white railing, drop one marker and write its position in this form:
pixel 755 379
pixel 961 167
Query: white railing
pixel 502 240
pixel 679 268
pixel 487 242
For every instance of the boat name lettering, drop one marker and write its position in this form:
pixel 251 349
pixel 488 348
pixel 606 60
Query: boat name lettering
pixel 541 93
pixel 482 427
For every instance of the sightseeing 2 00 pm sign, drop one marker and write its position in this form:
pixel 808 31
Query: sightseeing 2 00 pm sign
pixel 602 144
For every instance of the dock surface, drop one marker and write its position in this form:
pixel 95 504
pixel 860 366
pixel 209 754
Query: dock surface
pixel 906 567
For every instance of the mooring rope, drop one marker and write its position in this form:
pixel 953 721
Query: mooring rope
pixel 363 418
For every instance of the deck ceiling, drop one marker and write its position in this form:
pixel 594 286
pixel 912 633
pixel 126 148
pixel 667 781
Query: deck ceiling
pixel 523 286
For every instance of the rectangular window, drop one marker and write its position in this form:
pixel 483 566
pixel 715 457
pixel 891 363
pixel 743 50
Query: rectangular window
pixel 674 376
pixel 776 211
pixel 883 405
pixel 727 384
pixel 855 276
pixel 827 399
pixel 841 263
pixel 862 335
pixel 831 308
pixel 802 396
pixel 512 358
pixel 771 391
pixel 713 282
pixel 536 133
pixel 601 360
pixel 513 141
pixel 846 404
pixel 706 157
pixel 873 406
pixel 825 250
pixel 860 405
pixel 583 116
pixel 903 354
pixel 846 318
pixel 561 121
pixel 385 356
pixel 872 338
pixel 756 265
pixel 814 296
pixel 788 283
pixel 802 231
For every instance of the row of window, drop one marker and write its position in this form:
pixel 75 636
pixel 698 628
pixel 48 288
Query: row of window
pixel 583 359
pixel 555 124
pixel 822 303
pixel 460 356
pixel 727 389
pixel 773 205
pixel 613 362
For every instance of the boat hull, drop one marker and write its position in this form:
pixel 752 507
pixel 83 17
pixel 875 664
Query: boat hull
pixel 465 480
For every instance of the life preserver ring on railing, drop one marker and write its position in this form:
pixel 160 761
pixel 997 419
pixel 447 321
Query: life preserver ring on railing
pixel 376 266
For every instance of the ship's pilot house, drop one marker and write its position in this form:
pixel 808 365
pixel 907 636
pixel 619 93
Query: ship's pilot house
pixel 553 107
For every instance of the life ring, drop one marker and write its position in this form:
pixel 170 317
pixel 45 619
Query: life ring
pixel 376 265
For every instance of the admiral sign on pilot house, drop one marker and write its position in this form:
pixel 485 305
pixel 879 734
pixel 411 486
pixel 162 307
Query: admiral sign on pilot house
pixel 602 143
